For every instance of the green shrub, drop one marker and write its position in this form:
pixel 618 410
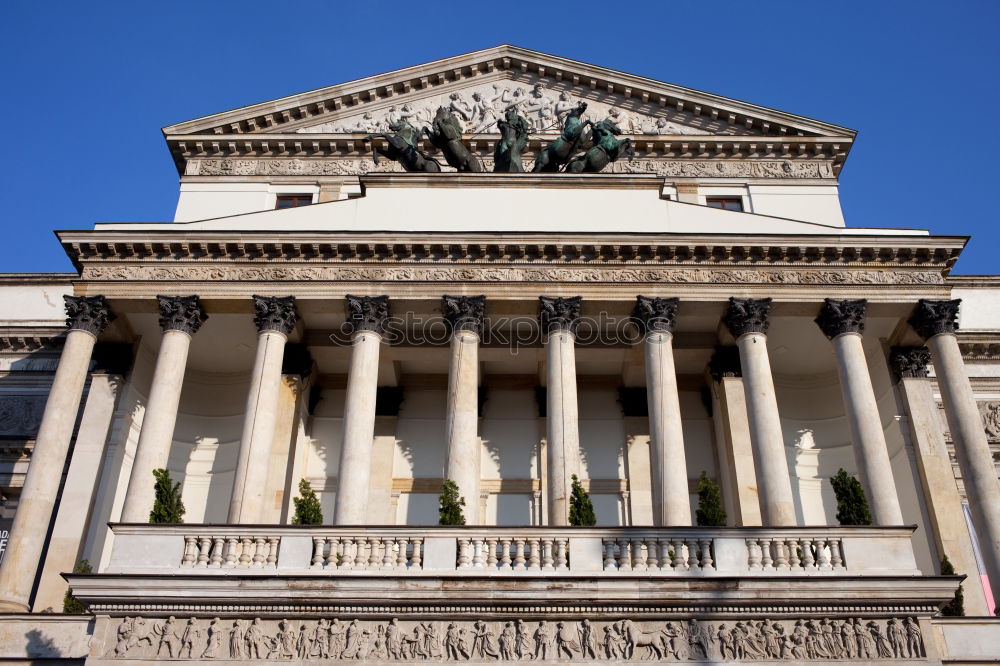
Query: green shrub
pixel 307 507
pixel 71 604
pixel 955 607
pixel 167 506
pixel 852 507
pixel 581 509
pixel 710 512
pixel 450 505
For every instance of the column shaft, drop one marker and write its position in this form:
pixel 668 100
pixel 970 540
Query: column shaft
pixel 971 448
pixel 563 429
pixel 462 420
pixel 247 501
pixel 41 484
pixel 770 463
pixel 874 467
pixel 354 472
pixel 157 434
pixel 671 504
pixel 77 497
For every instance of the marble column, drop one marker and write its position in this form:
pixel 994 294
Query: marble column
pixel 559 318
pixel 748 320
pixel 925 433
pixel 733 438
pixel 86 317
pixel 180 318
pixel 656 318
pixel 464 315
pixel 368 315
pixel 275 318
pixel 843 322
pixel 937 322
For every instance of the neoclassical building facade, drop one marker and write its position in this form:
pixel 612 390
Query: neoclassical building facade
pixel 329 306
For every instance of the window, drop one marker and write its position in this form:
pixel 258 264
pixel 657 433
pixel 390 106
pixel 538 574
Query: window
pixel 725 203
pixel 293 200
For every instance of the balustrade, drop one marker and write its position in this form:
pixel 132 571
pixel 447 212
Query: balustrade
pixel 230 552
pixel 795 553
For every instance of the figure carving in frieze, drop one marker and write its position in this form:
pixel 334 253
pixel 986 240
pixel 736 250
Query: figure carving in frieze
pixel 445 134
pixel 336 638
pixel 166 635
pixel 213 632
pixel 459 107
pixel 484 643
pixel 558 153
pixel 320 639
pixel 588 640
pixel 255 640
pixel 566 640
pixel 652 642
pixel 544 641
pixel 191 633
pixel 539 108
pixel 131 633
pixel 605 150
pixel 404 148
pixel 914 645
pixel 523 642
pixel 237 640
pixel 513 140
pixel 508 642
pixel 614 642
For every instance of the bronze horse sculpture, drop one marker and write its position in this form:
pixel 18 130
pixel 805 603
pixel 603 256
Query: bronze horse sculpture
pixel 513 140
pixel 445 134
pixel 558 153
pixel 403 148
pixel 606 149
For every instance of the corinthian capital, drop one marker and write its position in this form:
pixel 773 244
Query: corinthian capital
pixel 181 313
pixel 838 317
pixel 910 361
pixel 931 318
pixel 559 314
pixel 655 314
pixel 368 313
pixel 275 313
pixel 88 313
pixel 748 315
pixel 465 313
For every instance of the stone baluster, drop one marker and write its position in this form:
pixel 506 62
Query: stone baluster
pixel 765 554
pixel 402 544
pixel 190 552
pixel 808 559
pixel 245 548
pixel 780 555
pixel 548 561
pixel 180 319
pixel 535 555
pixel 754 555
pixel 374 553
pixel 823 554
pixel 87 317
pixel 656 318
pixel 559 318
pixel 519 559
pixel 388 556
pixel 610 561
pixel 478 557
pixel 707 561
pixel 793 553
pixel 275 319
pixel 562 548
pixel 368 315
pixel 666 562
pixel 491 553
pixel 317 557
pixel 464 315
pixel 937 322
pixel 216 561
pixel 624 555
pixel 259 554
pixel 350 551
pixel 748 320
pixel 652 557
pixel 505 560
pixel 464 561
pixel 680 562
pixel 638 556
pixel 836 560
pixel 416 561
pixel 272 553
pixel 692 548
pixel 843 322
pixel 204 549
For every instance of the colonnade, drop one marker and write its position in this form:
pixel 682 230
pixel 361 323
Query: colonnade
pixel 747 319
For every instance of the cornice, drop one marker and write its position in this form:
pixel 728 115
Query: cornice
pixel 174 243
pixel 979 345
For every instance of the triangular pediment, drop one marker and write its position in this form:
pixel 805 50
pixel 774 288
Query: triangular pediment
pixel 480 85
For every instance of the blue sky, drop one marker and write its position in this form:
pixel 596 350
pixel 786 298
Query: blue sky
pixel 87 87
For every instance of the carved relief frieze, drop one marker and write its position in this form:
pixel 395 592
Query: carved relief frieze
pixel 548 641
pixel 990 411
pixel 20 415
pixel 486 273
pixel 668 168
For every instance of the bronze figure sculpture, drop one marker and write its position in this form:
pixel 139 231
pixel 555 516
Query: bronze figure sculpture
pixel 403 148
pixel 606 149
pixel 445 133
pixel 513 140
pixel 558 153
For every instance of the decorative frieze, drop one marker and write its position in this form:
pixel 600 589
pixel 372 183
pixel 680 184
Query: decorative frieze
pixel 560 640
pixel 842 316
pixel 559 314
pixel 932 318
pixel 181 313
pixel 990 411
pixel 20 415
pixel 88 313
pixel 275 313
pixel 748 315
pixel 487 273
pixel 368 313
pixel 655 314
pixel 909 361
pixel 464 313
pixel 667 168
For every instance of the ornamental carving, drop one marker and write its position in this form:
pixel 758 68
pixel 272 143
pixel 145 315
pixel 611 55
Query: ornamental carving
pixel 842 316
pixel 769 169
pixel 88 313
pixel 655 314
pixel 559 314
pixel 990 412
pixel 658 275
pixel 548 641
pixel 748 315
pixel 20 415
pixel 909 361
pixel 275 313
pixel 725 362
pixel 181 313
pixel 465 313
pixel 932 318
pixel 368 313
